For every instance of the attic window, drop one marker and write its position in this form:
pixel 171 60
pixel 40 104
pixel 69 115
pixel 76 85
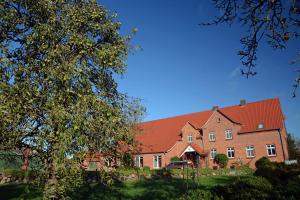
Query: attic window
pixel 260 126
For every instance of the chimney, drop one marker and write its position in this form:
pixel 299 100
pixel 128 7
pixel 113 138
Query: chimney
pixel 214 108
pixel 242 102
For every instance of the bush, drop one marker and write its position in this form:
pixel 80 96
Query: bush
pixel 146 168
pixel 263 162
pixel 246 188
pixel 196 194
pixel 221 160
pixel 174 159
pixel 162 173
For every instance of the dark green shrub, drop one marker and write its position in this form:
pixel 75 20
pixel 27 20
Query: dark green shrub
pixel 174 159
pixel 197 194
pixel 162 173
pixel 263 162
pixel 127 160
pixel 221 160
pixel 146 168
pixel 246 188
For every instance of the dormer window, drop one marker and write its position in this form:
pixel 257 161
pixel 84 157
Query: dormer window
pixel 190 138
pixel 260 126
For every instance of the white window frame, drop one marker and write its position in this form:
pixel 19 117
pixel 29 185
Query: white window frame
pixel 271 147
pixel 138 162
pixel 226 134
pixel 190 138
pixel 211 139
pixel 230 150
pixel 156 163
pixel 213 153
pixel 250 151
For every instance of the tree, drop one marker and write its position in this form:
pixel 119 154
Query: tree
pixel 276 21
pixel 221 160
pixel 58 60
pixel 292 143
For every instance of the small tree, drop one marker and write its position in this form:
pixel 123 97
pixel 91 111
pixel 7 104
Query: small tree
pixel 221 160
pixel 175 158
pixel 292 143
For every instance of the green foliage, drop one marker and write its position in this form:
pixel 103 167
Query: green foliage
pixel 246 188
pixel 197 194
pixel 58 60
pixel 127 160
pixel 146 168
pixel 162 173
pixel 292 143
pixel 263 162
pixel 175 158
pixel 221 160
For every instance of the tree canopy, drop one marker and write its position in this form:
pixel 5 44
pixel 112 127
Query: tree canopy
pixel 58 60
pixel 274 21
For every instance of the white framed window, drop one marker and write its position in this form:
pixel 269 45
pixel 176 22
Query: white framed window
pixel 157 162
pixel 213 153
pixel 211 136
pixel 139 161
pixel 230 152
pixel 271 149
pixel 250 151
pixel 228 134
pixel 190 138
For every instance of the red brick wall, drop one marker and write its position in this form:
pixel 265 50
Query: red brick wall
pixel 239 141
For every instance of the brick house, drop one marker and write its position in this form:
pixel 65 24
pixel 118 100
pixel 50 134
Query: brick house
pixel 243 132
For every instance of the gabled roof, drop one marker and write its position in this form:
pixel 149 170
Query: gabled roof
pixel 193 147
pixel 161 135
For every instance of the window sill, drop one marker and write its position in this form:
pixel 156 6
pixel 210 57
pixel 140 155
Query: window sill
pixel 272 155
pixel 250 157
pixel 228 138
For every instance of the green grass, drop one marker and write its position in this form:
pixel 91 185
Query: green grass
pixel 144 189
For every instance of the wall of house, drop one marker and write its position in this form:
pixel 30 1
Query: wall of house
pixel 218 124
pixel 177 149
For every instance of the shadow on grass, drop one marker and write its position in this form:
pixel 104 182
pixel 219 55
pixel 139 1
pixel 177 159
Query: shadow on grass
pixel 17 191
pixel 144 189
pixel 153 189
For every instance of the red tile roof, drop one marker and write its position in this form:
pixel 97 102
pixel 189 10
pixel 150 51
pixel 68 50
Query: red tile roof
pixel 198 149
pixel 160 135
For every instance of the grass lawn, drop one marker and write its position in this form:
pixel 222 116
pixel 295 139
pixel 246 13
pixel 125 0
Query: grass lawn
pixel 146 189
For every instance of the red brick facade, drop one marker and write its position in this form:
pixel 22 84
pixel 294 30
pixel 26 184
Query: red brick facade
pixel 242 121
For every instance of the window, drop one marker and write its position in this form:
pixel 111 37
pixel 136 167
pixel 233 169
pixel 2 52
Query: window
pixel 213 153
pixel 271 149
pixel 211 136
pixel 190 138
pixel 230 152
pixel 139 161
pixel 157 162
pixel 250 151
pixel 260 126
pixel 228 134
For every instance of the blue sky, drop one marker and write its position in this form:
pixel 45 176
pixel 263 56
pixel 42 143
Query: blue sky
pixel 184 67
